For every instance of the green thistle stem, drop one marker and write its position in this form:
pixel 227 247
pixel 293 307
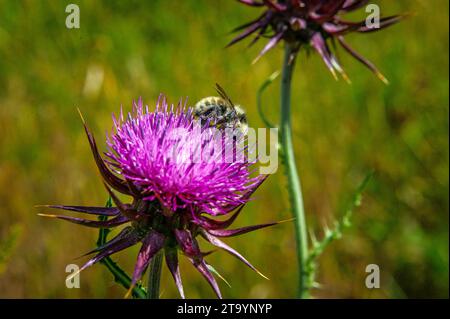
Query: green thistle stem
pixel 154 276
pixel 294 185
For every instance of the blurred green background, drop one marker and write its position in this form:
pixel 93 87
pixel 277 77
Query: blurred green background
pixel 128 49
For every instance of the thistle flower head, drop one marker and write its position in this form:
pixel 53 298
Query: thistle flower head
pixel 158 158
pixel 165 155
pixel 311 22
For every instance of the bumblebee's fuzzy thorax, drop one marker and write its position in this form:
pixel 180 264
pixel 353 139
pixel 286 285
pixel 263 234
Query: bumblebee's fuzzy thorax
pixel 220 112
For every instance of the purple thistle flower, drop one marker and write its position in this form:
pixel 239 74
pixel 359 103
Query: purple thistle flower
pixel 154 157
pixel 312 23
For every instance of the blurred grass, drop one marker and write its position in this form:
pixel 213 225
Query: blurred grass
pixel 124 50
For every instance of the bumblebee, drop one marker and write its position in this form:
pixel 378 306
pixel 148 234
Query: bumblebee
pixel 221 112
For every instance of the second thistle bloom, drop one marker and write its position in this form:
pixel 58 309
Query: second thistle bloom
pixel 178 182
pixel 313 23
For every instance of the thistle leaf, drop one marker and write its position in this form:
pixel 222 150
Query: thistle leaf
pixel 331 234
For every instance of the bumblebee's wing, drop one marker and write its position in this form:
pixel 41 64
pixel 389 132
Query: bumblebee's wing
pixel 224 95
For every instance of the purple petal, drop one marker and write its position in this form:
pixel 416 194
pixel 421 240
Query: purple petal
pixel 361 59
pixel 107 175
pixel 123 235
pixel 261 179
pixel 203 269
pixel 252 28
pixel 218 243
pixel 209 223
pixel 120 245
pixel 318 43
pixel 103 211
pixel 187 243
pixel 133 188
pixel 238 231
pixel 125 209
pixel 150 246
pixel 336 29
pixel 273 42
pixel 116 221
pixel 189 246
pixel 384 23
pixel 172 264
pixel 261 32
